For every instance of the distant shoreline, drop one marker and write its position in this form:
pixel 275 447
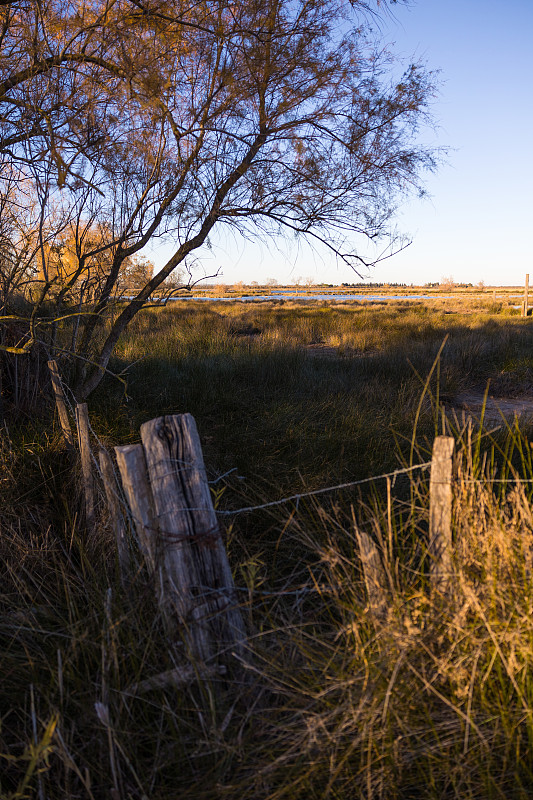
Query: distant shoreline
pixel 341 293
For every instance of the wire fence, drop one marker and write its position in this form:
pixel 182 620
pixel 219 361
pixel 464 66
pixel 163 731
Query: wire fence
pixel 295 498
pixel 206 538
pixel 290 499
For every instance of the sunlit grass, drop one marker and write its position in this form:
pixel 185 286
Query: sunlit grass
pixel 430 698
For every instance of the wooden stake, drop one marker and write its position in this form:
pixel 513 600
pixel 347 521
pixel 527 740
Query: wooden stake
pixel 192 555
pixel 374 575
pixel 131 462
pixel 133 472
pixel 526 296
pixel 61 404
pixel 117 521
pixel 82 424
pixel 440 512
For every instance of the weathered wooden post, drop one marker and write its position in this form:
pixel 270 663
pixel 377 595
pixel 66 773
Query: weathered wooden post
pixel 117 521
pixel 82 424
pixel 133 472
pixel 440 512
pixel 525 307
pixel 178 528
pixel 61 404
pixel 374 575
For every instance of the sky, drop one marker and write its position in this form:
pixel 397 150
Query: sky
pixel 476 226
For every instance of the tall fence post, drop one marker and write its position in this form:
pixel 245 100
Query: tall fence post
pixel 61 403
pixel 525 306
pixel 82 424
pixel 440 512
pixel 166 485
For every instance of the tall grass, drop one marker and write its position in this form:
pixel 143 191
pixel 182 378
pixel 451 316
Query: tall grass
pixel 283 409
pixel 431 697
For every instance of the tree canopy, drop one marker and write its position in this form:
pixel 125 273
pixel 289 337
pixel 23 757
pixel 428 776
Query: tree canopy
pixel 161 118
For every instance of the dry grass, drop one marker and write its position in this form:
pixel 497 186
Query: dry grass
pixel 423 696
pixel 427 695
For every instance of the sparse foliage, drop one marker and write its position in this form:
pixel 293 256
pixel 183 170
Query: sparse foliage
pixel 141 121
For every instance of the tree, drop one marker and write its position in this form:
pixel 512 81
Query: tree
pixel 268 117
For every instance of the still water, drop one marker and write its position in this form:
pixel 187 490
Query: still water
pixel 300 296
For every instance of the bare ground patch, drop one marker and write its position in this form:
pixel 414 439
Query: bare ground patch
pixel 496 408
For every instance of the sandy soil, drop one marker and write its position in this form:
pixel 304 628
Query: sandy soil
pixel 496 407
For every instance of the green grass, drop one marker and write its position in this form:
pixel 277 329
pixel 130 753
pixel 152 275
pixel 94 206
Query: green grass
pixel 288 418
pixel 431 698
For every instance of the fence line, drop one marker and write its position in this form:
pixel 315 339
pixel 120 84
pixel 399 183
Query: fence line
pixel 295 498
pixel 246 509
pixel 314 492
pixel 194 583
pixel 496 480
pixel 291 498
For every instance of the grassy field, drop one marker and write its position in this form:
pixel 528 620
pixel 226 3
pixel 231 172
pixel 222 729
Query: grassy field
pixel 431 698
pixel 302 396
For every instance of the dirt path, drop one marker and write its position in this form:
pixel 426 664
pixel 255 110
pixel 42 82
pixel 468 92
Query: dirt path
pixel 496 407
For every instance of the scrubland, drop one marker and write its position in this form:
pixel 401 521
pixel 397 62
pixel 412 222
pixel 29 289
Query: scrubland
pixel 430 697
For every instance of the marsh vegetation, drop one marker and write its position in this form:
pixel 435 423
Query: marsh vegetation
pixel 431 699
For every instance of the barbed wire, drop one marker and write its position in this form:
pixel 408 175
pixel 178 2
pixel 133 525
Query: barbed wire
pixel 297 497
pixel 494 480
pixel 294 498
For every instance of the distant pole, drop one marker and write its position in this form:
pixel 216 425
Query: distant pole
pixel 526 296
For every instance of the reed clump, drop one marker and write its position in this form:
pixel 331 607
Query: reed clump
pixel 428 695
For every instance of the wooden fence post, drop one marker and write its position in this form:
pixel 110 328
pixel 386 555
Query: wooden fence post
pixel 61 404
pixel 133 472
pixel 193 554
pixel 82 424
pixel 525 307
pixel 111 491
pixel 166 486
pixel 374 575
pixel 440 512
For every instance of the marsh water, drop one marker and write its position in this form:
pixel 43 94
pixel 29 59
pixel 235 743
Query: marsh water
pixel 364 298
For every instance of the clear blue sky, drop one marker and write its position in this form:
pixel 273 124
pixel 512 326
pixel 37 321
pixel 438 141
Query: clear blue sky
pixel 477 224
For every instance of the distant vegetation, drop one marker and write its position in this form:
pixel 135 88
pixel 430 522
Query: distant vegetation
pixel 361 287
